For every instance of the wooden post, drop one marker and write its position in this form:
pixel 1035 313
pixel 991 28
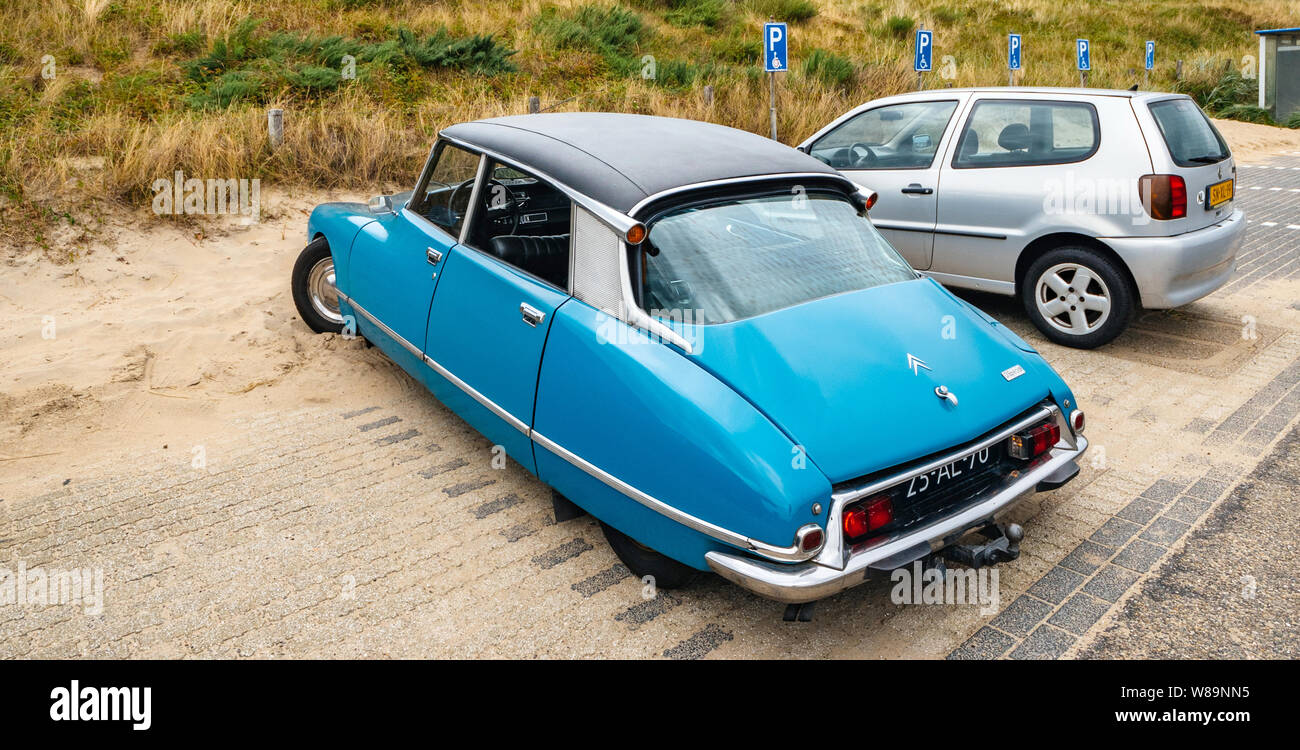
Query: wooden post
pixel 1178 70
pixel 708 96
pixel 275 126
pixel 534 105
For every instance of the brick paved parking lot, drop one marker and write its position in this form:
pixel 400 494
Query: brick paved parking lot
pixel 379 527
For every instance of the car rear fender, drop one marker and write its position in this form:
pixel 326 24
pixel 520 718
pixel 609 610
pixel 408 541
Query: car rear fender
pixel 640 412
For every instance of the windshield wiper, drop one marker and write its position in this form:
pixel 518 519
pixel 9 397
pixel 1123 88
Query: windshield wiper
pixel 1207 159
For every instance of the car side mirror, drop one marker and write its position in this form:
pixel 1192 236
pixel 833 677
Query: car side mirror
pixel 380 204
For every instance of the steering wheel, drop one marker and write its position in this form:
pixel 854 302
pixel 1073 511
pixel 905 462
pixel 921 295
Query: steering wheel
pixel 458 200
pixel 501 205
pixel 862 155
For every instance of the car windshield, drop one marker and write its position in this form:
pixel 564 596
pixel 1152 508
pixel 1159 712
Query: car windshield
pixel 1192 140
pixel 735 259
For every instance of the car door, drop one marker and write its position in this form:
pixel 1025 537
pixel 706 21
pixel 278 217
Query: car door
pixel 891 149
pixel 495 303
pixel 395 259
pixel 1012 155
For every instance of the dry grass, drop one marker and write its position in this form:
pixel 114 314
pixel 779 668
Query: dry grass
pixel 117 95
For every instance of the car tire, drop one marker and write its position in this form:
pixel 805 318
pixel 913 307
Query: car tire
pixel 1085 318
pixel 314 292
pixel 643 561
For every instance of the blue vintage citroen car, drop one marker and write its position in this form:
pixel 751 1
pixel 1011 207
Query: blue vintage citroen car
pixel 696 335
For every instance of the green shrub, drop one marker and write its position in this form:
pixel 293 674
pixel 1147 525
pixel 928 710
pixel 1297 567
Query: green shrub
pixel 899 26
pixel 1294 120
pixel 245 65
pixel 829 68
pixel 612 32
pixel 707 13
pixel 738 48
pixel 792 11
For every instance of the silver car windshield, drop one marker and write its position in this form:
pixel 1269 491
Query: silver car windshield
pixel 735 259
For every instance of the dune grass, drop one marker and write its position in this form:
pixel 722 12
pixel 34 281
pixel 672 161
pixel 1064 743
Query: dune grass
pixel 140 88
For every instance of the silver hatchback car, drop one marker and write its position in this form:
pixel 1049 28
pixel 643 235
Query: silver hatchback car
pixel 1088 204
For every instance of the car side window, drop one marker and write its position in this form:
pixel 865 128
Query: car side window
pixel 1021 133
pixel 523 220
pixel 897 136
pixel 443 194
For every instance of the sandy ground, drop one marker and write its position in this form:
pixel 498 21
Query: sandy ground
pixel 160 332
pixel 1253 143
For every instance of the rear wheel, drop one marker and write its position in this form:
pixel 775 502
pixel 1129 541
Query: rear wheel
pixel 643 561
pixel 314 291
pixel 1078 297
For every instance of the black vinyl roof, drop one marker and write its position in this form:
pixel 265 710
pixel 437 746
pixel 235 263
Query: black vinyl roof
pixel 620 159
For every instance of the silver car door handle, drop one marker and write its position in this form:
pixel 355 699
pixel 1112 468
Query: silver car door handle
pixel 532 316
pixel 434 256
pixel 916 189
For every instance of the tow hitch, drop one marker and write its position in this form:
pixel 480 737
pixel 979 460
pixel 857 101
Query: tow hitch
pixel 1003 545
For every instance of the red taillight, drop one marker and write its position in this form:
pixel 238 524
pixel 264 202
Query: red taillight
pixel 1163 195
pixel 867 517
pixel 811 540
pixel 1034 442
pixel 871 200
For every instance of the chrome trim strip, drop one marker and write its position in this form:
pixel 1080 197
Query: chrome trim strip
pixel 836 555
pixel 773 552
pixel 394 335
pixel 812 580
pixel 848 496
pixel 470 209
pixel 784 554
pixel 638 317
pixel 491 405
pixel 741 181
pixel 616 219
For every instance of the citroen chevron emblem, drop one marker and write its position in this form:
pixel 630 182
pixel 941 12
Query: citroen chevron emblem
pixel 914 362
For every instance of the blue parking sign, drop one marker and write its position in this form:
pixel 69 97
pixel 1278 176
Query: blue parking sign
pixel 1013 51
pixel 1151 55
pixel 924 51
pixel 1084 53
pixel 774 57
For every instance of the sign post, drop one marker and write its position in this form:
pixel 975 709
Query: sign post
pixel 1013 58
pixel 1083 53
pixel 1150 64
pixel 775 61
pixel 923 62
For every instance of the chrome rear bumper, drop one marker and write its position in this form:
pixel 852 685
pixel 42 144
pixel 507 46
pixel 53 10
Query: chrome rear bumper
pixel 810 581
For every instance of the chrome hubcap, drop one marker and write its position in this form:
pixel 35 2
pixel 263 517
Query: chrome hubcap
pixel 324 294
pixel 1072 298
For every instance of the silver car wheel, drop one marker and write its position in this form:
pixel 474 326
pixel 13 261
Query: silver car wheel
pixel 324 294
pixel 1072 298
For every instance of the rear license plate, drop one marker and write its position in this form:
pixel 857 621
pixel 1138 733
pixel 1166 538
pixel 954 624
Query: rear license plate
pixel 951 472
pixel 1218 194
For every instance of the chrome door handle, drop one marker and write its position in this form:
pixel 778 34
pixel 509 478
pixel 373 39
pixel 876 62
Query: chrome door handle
pixel 916 189
pixel 532 316
pixel 434 256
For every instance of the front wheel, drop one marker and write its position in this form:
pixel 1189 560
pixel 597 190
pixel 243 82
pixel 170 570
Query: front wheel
pixel 1078 297
pixel 314 291
pixel 643 561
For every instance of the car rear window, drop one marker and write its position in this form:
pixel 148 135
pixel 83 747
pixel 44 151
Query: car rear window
pixel 737 258
pixel 1191 139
